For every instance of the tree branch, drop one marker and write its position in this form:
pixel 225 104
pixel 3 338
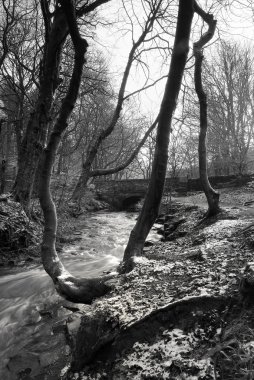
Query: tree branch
pixel 99 172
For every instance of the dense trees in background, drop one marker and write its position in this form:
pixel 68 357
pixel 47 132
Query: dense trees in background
pixel 62 112
pixel 230 109
pixel 230 82
pixel 40 63
pixel 150 27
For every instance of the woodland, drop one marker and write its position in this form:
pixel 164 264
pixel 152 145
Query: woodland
pixel 109 90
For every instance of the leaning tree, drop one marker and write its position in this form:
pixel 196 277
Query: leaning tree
pixel 154 193
pixel 85 290
pixel 35 137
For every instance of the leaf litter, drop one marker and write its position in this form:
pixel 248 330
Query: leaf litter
pixel 208 260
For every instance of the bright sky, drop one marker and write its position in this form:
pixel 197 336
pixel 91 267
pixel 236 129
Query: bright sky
pixel 234 25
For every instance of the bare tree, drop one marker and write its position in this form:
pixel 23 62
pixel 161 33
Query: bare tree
pixel 211 195
pixel 151 205
pixel 10 14
pixel 229 83
pixel 76 290
pixel 155 12
pixel 56 32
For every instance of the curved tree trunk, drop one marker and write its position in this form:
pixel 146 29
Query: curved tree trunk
pixel 36 132
pixel 73 289
pixel 153 197
pixel 211 195
pixel 35 136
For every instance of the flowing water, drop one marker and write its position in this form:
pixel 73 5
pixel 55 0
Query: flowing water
pixel 24 295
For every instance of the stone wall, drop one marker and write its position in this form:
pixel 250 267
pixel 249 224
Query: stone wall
pixel 219 182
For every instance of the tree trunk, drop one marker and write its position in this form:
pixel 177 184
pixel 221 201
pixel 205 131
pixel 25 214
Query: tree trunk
pixel 2 176
pixel 82 183
pixel 73 289
pixel 35 137
pixel 37 128
pixel 211 195
pixel 153 197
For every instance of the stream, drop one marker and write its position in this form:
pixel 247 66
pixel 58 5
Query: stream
pixel 29 305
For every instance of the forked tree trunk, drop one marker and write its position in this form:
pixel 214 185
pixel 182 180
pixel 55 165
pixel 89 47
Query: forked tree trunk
pixel 211 195
pixel 153 197
pixel 73 289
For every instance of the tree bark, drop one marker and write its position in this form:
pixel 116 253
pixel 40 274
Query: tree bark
pixel 35 136
pixel 153 197
pixel 73 289
pixel 211 195
pixel 2 176
pixel 36 132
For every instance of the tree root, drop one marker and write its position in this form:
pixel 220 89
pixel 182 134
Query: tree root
pixel 84 290
pixel 104 340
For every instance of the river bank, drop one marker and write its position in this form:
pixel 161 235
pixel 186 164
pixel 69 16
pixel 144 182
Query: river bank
pixel 177 315
pixel 33 317
pixel 20 236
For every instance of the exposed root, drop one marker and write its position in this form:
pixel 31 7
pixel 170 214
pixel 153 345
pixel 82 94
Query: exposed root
pixel 127 266
pixel 84 290
pixel 117 339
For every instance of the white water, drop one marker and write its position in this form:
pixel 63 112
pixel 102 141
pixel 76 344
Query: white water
pixel 23 294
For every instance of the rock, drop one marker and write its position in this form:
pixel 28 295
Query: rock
pixel 73 325
pixel 175 235
pixel 246 286
pixel 25 363
pixel 171 227
pixel 160 231
pixel 29 259
pixel 248 203
pixel 148 243
pixel 196 254
pixel 46 313
pixel 87 334
pixel 160 219
pixel 59 327
pixel 198 240
pixel 169 217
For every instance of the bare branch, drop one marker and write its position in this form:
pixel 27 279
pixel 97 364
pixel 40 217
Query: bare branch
pixel 100 172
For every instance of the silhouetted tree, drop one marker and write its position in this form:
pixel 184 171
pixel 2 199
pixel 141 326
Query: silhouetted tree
pixel 153 197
